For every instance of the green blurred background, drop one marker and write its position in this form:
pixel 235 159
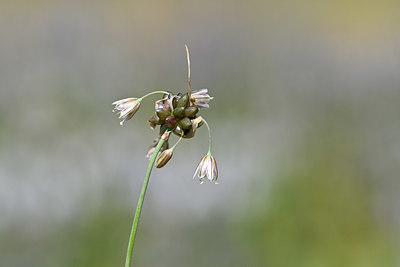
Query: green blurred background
pixel 305 126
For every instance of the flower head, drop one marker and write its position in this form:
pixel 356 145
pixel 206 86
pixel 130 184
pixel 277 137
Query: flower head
pixel 127 108
pixel 200 98
pixel 207 168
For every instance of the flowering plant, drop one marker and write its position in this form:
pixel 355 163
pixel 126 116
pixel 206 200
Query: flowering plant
pixel 177 114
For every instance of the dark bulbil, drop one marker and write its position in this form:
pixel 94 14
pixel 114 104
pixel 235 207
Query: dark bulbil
pixel 179 112
pixel 183 101
pixel 191 112
pixel 185 124
pixel 171 122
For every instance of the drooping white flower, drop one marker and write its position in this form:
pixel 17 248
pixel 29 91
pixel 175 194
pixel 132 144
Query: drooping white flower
pixel 200 98
pixel 127 108
pixel 207 168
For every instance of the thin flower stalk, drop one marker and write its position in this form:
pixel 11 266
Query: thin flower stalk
pixel 140 202
pixel 209 137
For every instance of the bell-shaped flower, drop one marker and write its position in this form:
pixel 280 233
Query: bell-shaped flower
pixel 127 108
pixel 207 169
pixel 200 98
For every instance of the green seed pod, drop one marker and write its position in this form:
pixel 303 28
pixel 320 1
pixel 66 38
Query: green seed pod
pixel 183 101
pixel 162 114
pixel 191 111
pixel 185 123
pixel 171 122
pixel 179 112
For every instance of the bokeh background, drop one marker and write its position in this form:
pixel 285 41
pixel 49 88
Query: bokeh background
pixel 305 124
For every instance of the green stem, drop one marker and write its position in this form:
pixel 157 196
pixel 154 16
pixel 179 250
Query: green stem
pixel 180 138
pixel 155 92
pixel 140 203
pixel 209 136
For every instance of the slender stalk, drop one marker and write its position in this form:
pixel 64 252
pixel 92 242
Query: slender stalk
pixel 180 138
pixel 209 136
pixel 188 63
pixel 140 203
pixel 155 92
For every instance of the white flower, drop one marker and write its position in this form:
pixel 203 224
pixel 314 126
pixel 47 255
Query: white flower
pixel 207 168
pixel 127 108
pixel 200 98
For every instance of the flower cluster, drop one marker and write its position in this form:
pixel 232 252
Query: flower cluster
pixel 176 114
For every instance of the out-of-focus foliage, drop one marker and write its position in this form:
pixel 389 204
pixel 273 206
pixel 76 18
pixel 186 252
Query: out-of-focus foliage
pixel 320 212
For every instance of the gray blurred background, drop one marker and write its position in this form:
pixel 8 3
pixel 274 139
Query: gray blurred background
pixel 305 125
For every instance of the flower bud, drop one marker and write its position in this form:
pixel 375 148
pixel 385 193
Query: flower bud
pixel 183 101
pixel 191 111
pixel 163 158
pixel 185 123
pixel 179 112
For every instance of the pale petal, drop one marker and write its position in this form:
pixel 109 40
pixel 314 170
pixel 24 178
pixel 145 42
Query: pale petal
pixel 200 92
pixel 201 105
pixel 196 173
pixel 125 112
pixel 123 100
pixel 210 173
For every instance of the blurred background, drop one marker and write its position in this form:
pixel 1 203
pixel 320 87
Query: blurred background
pixel 305 125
